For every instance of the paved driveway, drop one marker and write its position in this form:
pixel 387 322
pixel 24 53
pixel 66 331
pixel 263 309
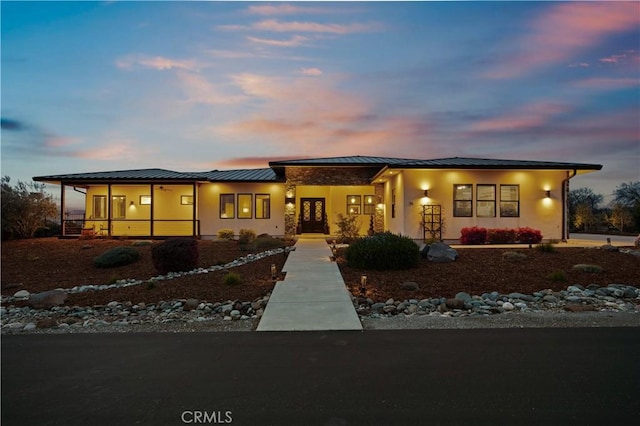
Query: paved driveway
pixel 421 377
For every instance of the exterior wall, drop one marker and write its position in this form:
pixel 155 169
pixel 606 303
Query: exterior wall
pixel 395 222
pixel 536 211
pixel 209 208
pixel 170 217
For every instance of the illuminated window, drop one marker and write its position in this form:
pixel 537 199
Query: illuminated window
pixel 462 200
pixel 263 206
pixel 369 204
pixel 186 200
pixel 509 200
pixel 227 206
pixel 118 207
pixel 486 201
pixel 354 204
pixel 145 200
pixel 245 210
pixel 99 206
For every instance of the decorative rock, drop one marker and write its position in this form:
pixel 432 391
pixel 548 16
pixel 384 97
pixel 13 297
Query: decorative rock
pixel 508 306
pixel 112 305
pixel 191 304
pixel 47 299
pixel 454 304
pixel 377 307
pixel 409 285
pixel 46 323
pixel 464 296
pixel 21 295
pixel 513 256
pixel 440 252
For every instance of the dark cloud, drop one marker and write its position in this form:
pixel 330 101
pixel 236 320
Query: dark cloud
pixel 10 124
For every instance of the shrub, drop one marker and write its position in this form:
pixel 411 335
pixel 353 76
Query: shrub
pixel 247 236
pixel 501 236
pixel 348 227
pixel 546 248
pixel 592 269
pixel 225 234
pixel 175 255
pixel 117 256
pixel 513 256
pixel 231 278
pixel 473 235
pixel 558 275
pixel 383 251
pixel 529 236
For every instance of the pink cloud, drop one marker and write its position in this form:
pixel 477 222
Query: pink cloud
pixel 311 71
pixel 200 91
pixel 529 117
pixel 156 62
pixel 294 41
pixel 274 25
pixel 565 30
pixel 608 83
pixel 282 9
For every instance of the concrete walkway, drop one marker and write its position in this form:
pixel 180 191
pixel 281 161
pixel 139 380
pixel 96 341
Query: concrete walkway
pixel 313 295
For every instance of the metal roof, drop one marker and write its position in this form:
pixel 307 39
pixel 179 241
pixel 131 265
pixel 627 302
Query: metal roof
pixel 485 163
pixel 242 175
pixel 133 175
pixel 355 160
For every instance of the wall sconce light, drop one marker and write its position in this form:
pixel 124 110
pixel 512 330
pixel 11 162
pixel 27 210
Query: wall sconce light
pixel 426 193
pixel 290 200
pixel 132 204
pixel 547 194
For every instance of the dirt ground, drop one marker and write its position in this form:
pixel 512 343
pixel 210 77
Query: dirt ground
pixel 43 264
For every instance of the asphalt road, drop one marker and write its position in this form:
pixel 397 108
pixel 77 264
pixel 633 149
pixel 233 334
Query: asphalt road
pixel 402 377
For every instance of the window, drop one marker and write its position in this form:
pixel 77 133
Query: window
pixel 99 206
pixel 145 200
pixel 263 206
pixel 462 200
pixel 227 206
pixel 245 210
pixel 509 200
pixel 354 204
pixel 186 200
pixel 393 203
pixel 486 201
pixel 369 204
pixel 118 207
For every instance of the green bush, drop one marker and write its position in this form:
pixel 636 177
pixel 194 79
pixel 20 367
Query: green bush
pixel 558 275
pixel 348 227
pixel 546 248
pixel 592 269
pixel 175 255
pixel 117 256
pixel 267 243
pixel 513 256
pixel 247 236
pixel 231 279
pixel 225 234
pixel 383 251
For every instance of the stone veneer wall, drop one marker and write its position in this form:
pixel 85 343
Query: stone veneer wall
pixel 378 220
pixel 290 221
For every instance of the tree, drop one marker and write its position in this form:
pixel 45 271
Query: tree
pixel 583 218
pixel 25 208
pixel 620 216
pixel 628 195
pixel 583 196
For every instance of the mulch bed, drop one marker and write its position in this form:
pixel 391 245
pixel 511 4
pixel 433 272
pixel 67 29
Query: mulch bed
pixel 43 264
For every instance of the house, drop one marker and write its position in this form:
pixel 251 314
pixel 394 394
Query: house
pixel 418 198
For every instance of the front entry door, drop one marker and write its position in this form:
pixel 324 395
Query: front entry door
pixel 312 215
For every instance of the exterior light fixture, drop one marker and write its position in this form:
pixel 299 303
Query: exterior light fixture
pixel 426 193
pixel 132 204
pixel 363 284
pixel 289 200
pixel 547 194
pixel 273 271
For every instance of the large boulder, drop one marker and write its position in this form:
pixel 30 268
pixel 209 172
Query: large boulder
pixel 47 299
pixel 441 252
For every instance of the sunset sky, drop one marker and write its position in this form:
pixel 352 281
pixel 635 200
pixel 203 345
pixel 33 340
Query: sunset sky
pixel 195 86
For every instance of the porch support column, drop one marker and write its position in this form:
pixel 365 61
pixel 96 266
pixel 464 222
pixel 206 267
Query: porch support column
pixel 62 221
pixel 153 198
pixel 109 209
pixel 195 210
